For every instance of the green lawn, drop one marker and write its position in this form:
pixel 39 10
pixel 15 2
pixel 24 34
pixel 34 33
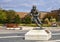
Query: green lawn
pixel 34 25
pixel 1 24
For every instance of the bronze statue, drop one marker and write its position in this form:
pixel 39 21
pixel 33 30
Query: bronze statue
pixel 35 14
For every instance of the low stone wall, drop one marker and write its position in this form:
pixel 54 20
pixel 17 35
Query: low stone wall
pixel 27 28
pixel 52 28
pixel 49 28
pixel 30 28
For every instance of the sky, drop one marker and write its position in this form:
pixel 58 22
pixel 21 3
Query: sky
pixel 26 5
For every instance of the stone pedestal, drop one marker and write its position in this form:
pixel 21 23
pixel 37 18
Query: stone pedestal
pixel 38 35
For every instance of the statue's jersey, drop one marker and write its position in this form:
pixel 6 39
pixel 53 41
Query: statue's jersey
pixel 34 12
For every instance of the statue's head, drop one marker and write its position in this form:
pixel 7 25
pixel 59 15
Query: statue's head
pixel 34 7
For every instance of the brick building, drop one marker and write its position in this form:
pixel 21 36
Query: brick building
pixel 43 14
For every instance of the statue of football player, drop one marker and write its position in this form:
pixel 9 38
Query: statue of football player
pixel 35 14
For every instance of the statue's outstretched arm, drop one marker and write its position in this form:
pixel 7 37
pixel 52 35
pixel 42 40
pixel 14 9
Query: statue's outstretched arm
pixel 30 14
pixel 38 12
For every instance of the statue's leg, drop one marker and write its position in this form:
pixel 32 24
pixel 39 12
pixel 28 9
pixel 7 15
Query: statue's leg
pixel 36 21
pixel 39 21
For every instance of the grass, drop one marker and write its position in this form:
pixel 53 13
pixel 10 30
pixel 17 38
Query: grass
pixel 34 25
pixel 1 24
pixel 46 25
